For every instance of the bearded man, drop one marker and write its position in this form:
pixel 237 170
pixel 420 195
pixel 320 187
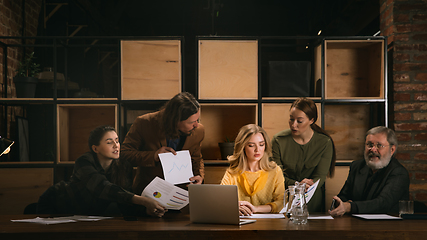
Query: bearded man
pixel 376 184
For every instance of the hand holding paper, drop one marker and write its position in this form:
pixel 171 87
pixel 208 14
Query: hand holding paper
pixel 177 168
pixel 166 194
pixel 310 191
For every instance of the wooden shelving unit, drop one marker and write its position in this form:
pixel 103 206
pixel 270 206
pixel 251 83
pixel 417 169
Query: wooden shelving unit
pixel 235 85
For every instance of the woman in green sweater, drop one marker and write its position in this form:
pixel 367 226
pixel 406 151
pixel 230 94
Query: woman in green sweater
pixel 305 151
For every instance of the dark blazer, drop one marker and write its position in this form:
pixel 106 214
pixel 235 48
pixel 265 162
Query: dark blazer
pixel 145 138
pixel 390 186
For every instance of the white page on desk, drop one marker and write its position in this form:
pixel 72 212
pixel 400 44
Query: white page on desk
pixel 177 168
pixel 265 215
pixel 319 217
pixel 57 220
pixel 46 221
pixel 376 216
pixel 166 194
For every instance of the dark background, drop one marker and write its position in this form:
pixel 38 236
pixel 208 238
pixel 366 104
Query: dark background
pixel 189 19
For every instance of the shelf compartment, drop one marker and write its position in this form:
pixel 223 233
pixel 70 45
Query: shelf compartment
pixel 22 186
pixel 354 69
pixel 223 121
pixel 32 131
pixel 347 125
pixel 150 69
pixel 228 69
pixel 75 121
pixel 275 117
pixel 214 174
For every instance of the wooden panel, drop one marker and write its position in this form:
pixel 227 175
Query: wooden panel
pixel 318 71
pixel 75 123
pixel 333 185
pixel 150 69
pixel 347 125
pixel 214 174
pixel 223 121
pixel 275 117
pixel 354 69
pixel 228 69
pixel 22 186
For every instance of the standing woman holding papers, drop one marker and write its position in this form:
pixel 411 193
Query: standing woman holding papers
pixel 100 184
pixel 260 182
pixel 305 151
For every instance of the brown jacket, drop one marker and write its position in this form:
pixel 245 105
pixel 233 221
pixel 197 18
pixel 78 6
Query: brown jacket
pixel 145 138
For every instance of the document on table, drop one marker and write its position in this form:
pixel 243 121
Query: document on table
pixel 177 168
pixel 56 220
pixel 376 217
pixel 166 194
pixel 264 215
pixel 314 217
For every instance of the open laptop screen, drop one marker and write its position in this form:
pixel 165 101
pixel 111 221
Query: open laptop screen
pixel 210 203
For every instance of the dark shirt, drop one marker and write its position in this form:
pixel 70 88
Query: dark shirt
pixel 177 143
pixel 90 190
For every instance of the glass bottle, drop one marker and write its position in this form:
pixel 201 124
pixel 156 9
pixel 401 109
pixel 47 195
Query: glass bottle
pixel 289 198
pixel 299 209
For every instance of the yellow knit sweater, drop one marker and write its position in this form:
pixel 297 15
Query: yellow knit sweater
pixel 259 188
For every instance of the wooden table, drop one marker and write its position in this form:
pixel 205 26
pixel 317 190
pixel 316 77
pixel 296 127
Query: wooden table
pixel 178 226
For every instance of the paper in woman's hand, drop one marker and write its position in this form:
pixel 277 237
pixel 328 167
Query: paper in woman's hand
pixel 166 194
pixel 311 190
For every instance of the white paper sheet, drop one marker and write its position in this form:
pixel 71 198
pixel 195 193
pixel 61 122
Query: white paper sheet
pixel 177 168
pixel 310 191
pixel 319 217
pixel 56 220
pixel 264 215
pixel 166 194
pixel 376 216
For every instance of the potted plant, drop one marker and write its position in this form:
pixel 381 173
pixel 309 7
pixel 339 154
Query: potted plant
pixel 25 81
pixel 226 148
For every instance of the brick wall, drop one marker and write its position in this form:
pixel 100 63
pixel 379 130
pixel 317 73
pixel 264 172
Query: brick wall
pixel 405 24
pixel 11 24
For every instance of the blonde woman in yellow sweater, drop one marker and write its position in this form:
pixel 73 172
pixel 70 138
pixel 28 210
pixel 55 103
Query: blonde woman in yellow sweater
pixel 260 182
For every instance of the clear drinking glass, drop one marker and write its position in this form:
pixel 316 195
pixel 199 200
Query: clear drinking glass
pixel 406 207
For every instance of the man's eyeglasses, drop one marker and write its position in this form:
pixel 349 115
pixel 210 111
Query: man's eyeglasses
pixel 378 145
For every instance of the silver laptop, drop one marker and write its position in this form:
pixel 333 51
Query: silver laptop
pixel 211 203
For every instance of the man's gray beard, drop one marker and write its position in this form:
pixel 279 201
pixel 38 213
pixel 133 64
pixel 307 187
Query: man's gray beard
pixel 384 161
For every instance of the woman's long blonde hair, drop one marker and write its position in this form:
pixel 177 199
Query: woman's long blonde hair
pixel 238 161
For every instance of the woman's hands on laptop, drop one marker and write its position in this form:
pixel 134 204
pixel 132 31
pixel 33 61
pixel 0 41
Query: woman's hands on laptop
pixel 246 208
